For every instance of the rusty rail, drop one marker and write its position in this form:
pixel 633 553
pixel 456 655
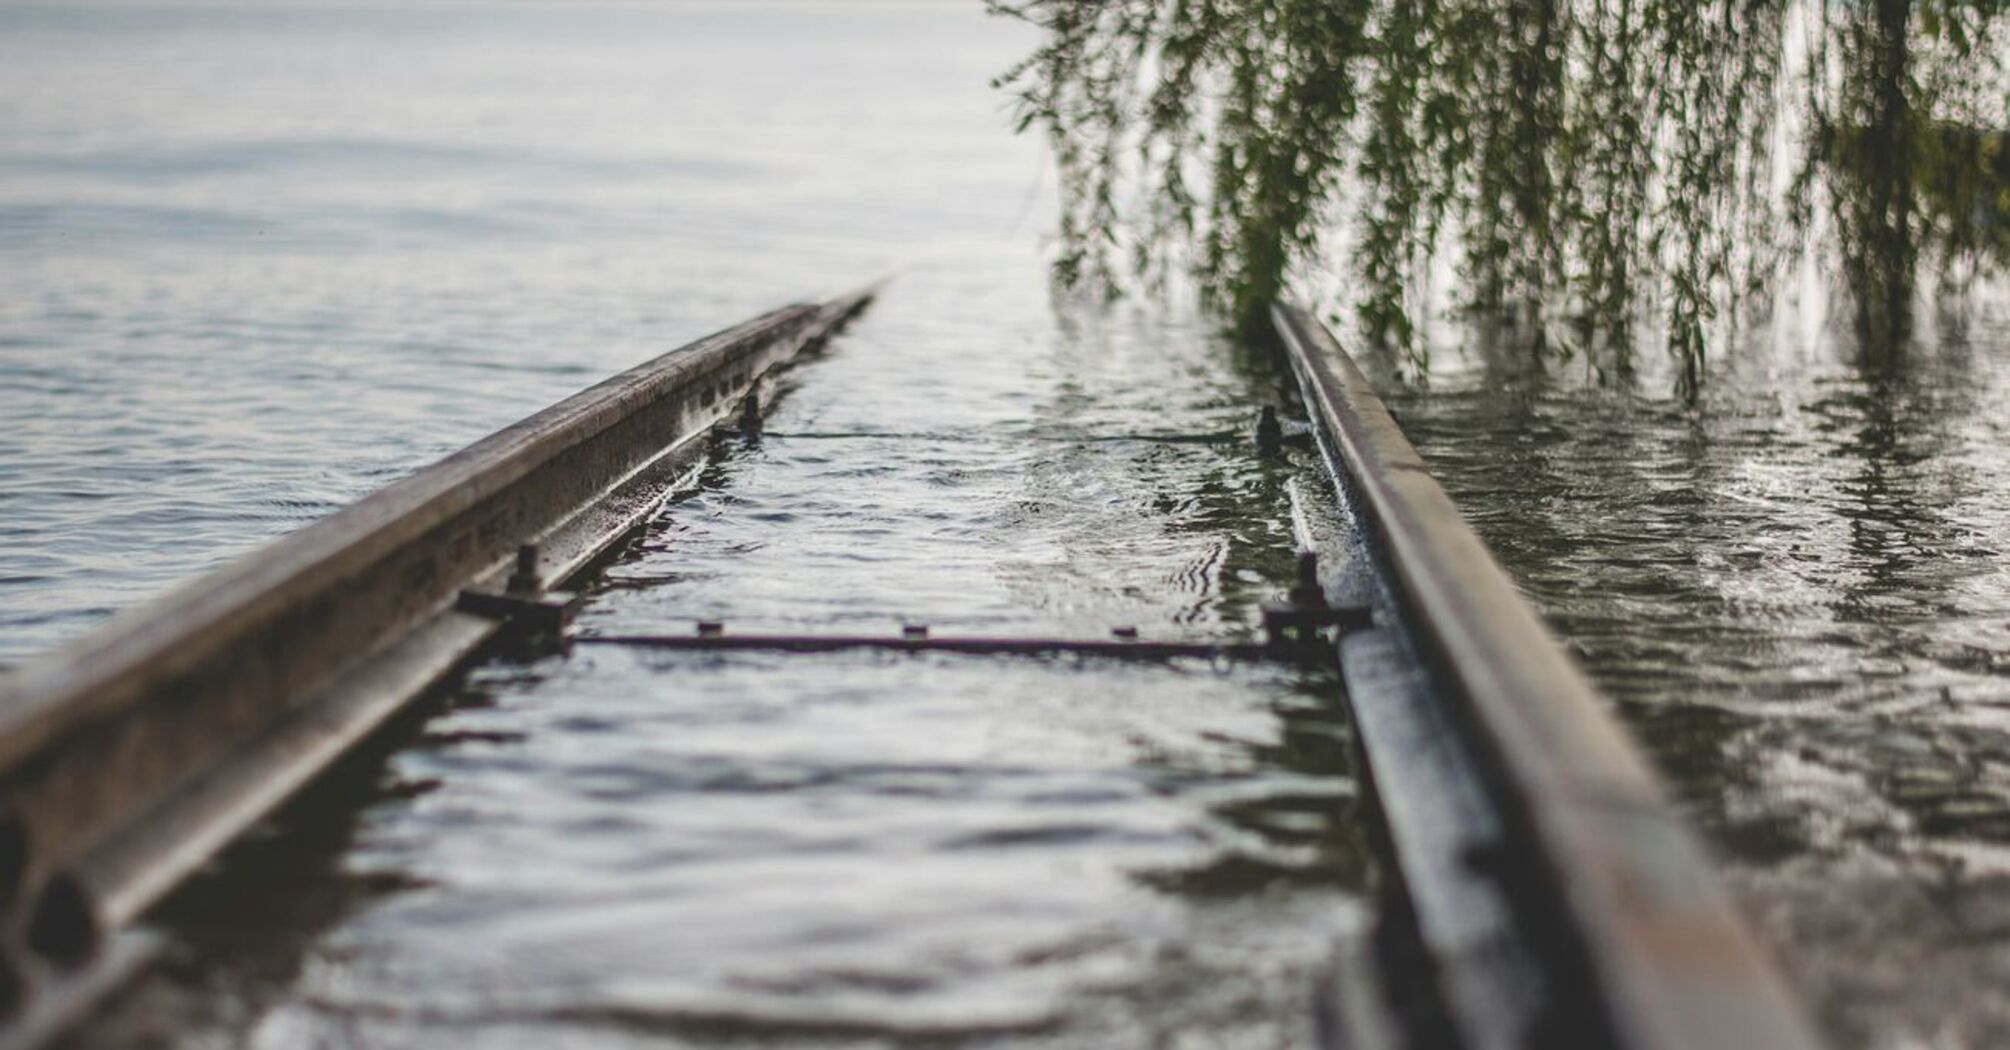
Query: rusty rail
pixel 1556 895
pixel 132 755
pixel 1555 898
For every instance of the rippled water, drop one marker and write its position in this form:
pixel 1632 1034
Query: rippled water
pixel 259 260
pixel 385 232
pixel 1799 594
pixel 615 846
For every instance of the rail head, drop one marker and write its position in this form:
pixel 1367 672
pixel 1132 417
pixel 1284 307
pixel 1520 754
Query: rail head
pixel 117 663
pixel 92 675
pixel 116 750
pixel 1649 920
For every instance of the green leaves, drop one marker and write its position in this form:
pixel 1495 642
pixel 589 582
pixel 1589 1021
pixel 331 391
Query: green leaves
pixel 1603 171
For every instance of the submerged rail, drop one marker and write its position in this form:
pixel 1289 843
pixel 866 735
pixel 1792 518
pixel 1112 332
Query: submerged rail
pixel 1544 893
pixel 131 756
pixel 1555 896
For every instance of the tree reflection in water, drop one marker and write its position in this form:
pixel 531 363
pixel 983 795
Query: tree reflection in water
pixel 1607 176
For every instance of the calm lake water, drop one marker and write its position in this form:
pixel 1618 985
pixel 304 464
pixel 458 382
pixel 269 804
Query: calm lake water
pixel 260 260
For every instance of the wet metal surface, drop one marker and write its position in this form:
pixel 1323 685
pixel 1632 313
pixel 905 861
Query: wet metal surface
pixel 226 319
pixel 618 844
pixel 261 260
pixel 134 754
pixel 1507 781
pixel 614 848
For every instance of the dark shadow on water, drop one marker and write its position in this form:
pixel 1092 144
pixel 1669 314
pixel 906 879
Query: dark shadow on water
pixel 1312 837
pixel 242 933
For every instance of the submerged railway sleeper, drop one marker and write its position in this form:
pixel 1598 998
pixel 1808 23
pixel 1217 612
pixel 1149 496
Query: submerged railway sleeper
pixel 1540 893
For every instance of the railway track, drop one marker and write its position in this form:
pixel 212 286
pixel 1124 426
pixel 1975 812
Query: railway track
pixel 1548 893
pixel 1540 893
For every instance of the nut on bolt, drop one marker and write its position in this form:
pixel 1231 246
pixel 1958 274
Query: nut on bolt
pixel 1306 593
pixel 1269 432
pixel 526 579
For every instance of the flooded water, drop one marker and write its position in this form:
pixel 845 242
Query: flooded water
pixel 1798 592
pixel 261 259
pixel 617 847
pixel 284 254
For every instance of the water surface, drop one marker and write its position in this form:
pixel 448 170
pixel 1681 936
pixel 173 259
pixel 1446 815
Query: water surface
pixel 260 260
pixel 1798 592
pixel 269 258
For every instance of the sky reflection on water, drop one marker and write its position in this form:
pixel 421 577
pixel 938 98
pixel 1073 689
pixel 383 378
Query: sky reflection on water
pixel 260 261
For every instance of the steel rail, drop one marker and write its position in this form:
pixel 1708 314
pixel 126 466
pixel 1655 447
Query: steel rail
pixel 132 755
pixel 1589 865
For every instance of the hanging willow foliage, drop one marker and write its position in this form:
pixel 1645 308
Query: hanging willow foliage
pixel 1598 169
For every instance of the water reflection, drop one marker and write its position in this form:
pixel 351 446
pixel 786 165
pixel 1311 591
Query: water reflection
pixel 1795 591
pixel 1603 176
pixel 1765 500
pixel 892 850
pixel 243 935
pixel 1299 826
